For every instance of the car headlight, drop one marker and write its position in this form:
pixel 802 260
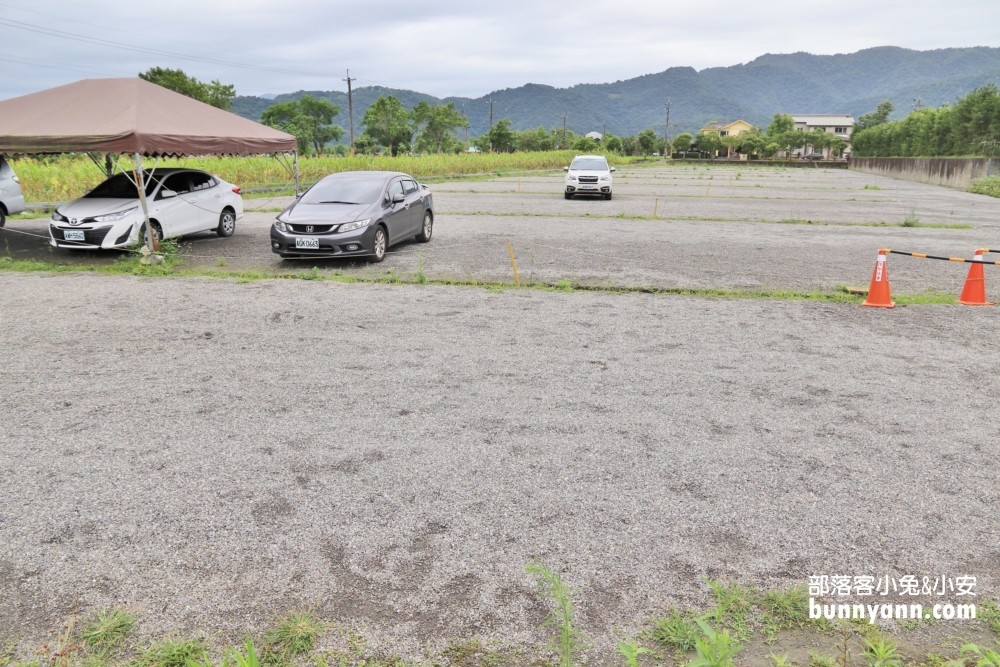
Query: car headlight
pixel 605 178
pixel 114 217
pixel 351 226
pixel 571 178
pixel 59 217
pixel 15 178
pixel 279 225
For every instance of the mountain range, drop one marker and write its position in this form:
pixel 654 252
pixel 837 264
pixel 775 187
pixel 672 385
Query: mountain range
pixel 850 83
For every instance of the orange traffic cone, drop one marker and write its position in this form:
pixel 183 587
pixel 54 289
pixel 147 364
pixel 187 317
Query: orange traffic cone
pixel 974 292
pixel 878 292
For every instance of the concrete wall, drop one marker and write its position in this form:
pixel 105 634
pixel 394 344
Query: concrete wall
pixel 951 172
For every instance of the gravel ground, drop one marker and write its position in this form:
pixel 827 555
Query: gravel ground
pixel 214 453
pixel 716 241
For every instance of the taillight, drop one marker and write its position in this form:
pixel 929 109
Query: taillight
pixel 237 190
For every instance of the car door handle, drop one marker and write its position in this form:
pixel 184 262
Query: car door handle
pixel 218 195
pixel 407 206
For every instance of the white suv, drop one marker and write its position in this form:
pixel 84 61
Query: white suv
pixel 11 199
pixel 588 175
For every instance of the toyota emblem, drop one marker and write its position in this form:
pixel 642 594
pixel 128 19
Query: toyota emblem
pixel 74 221
pixel 309 229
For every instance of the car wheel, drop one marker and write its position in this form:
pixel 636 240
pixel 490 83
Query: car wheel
pixel 428 229
pixel 157 232
pixel 379 247
pixel 227 224
pixel 3 218
pixel 608 196
pixel 568 195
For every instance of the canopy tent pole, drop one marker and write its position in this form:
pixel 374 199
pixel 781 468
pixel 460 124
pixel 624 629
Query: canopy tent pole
pixel 295 169
pixel 140 184
pixel 109 168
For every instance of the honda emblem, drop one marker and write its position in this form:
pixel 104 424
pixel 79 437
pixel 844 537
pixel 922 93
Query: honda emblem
pixel 309 229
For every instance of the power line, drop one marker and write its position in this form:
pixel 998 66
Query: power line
pixel 21 60
pixel 132 32
pixel 51 32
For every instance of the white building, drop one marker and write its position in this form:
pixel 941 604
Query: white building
pixel 596 136
pixel 840 124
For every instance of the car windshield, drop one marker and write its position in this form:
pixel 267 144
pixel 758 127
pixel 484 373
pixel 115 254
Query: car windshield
pixel 345 191
pixel 120 186
pixel 590 164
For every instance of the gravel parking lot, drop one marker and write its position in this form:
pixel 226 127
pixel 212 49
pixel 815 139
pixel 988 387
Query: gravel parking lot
pixel 721 227
pixel 213 453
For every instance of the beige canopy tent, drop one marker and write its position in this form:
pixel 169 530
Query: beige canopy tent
pixel 131 116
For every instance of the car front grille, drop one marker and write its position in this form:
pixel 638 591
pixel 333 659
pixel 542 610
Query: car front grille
pixel 316 229
pixel 90 236
pixel 588 179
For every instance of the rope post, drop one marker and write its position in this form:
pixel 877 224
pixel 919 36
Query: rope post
pixel 140 184
pixel 513 263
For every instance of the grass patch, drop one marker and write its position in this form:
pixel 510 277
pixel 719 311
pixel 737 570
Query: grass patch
pixel 108 631
pixel 734 603
pixel 676 630
pixel 871 187
pixel 133 268
pixel 568 641
pixel 172 652
pixel 294 634
pixel 986 186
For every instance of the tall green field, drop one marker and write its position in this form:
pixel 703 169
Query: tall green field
pixel 64 177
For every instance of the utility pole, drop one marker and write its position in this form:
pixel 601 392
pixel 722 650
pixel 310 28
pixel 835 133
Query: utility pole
pixel 350 107
pixel 666 134
pixel 465 130
pixel 605 130
pixel 917 103
pixel 564 132
pixel 491 122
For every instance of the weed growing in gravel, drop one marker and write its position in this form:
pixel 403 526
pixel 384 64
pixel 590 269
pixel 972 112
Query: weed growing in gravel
pixel 871 187
pixel 172 652
pixel 420 277
pixel 817 660
pixel 676 630
pixel 987 657
pixel 911 219
pixel 630 650
pixel 294 634
pixel 569 641
pixel 784 610
pixel 714 649
pixel 989 611
pixel 108 631
pixel 882 653
pixel 734 603
pixel 310 275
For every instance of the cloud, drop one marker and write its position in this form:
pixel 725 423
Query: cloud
pixel 451 47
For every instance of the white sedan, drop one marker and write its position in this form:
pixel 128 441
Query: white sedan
pixel 180 202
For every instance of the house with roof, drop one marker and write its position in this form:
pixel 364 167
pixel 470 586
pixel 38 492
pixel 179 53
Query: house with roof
pixel 840 124
pixel 733 129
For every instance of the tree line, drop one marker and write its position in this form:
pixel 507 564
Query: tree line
pixel 969 127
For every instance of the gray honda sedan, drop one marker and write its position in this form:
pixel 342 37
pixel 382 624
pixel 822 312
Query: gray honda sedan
pixel 355 213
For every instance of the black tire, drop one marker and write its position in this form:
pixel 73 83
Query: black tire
pixel 3 217
pixel 379 246
pixel 568 195
pixel 608 196
pixel 157 232
pixel 227 223
pixel 427 230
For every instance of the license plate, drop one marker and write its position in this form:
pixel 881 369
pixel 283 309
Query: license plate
pixel 310 244
pixel 73 235
pixel 588 187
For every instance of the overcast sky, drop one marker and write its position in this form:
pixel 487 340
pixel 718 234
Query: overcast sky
pixel 452 47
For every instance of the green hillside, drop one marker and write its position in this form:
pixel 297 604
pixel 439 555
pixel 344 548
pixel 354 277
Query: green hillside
pixel 793 83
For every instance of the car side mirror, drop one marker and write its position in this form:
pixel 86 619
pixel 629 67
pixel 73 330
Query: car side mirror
pixel 565 168
pixel 398 199
pixel 167 194
pixel 613 169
